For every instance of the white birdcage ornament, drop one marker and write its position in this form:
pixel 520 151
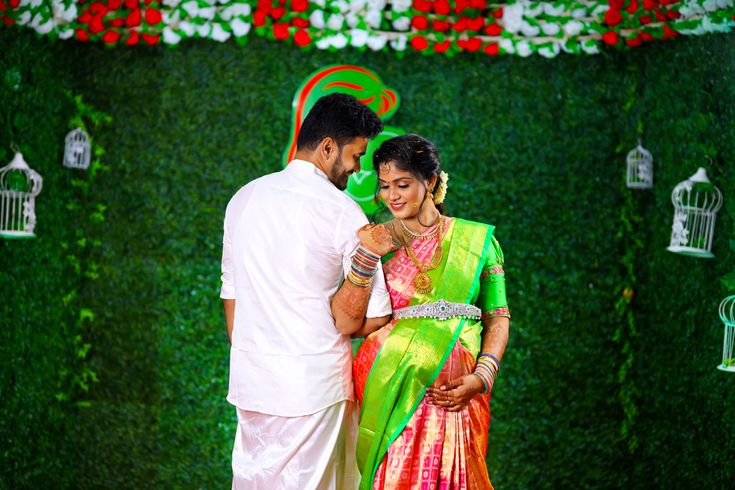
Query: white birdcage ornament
pixel 77 149
pixel 727 314
pixel 696 202
pixel 640 168
pixel 19 186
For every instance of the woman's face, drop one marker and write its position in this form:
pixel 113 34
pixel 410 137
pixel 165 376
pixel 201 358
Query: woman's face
pixel 402 191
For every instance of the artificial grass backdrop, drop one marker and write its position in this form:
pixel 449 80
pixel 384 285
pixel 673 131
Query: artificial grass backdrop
pixel 609 379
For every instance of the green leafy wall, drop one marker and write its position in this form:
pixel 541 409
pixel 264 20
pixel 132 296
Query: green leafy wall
pixel 599 389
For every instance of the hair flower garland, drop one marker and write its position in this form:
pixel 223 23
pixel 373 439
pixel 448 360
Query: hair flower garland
pixel 441 190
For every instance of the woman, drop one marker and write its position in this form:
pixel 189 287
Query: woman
pixel 423 380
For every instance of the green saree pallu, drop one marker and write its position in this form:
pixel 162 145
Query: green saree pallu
pixel 416 349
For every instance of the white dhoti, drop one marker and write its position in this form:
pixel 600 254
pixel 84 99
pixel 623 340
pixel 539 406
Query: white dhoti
pixel 311 452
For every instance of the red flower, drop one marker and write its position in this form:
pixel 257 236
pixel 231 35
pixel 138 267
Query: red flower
pixel 478 4
pixel 419 22
pixel 132 4
pixel 133 18
pixel 633 43
pixel 132 39
pixel 673 14
pixel 302 38
pixel 475 24
pixel 491 49
pixel 442 47
pixel 646 36
pixel 300 6
pixel 613 17
pixel 650 4
pixel 299 22
pixel 8 22
pixel 610 37
pixel 96 25
pixel 474 44
pixel 419 43
pixel 111 37
pixel 265 5
pixel 259 18
pixel 85 17
pixel 616 4
pixel 152 16
pixel 114 4
pixel 442 7
pixel 493 29
pixel 441 26
pixel 14 3
pixel 98 8
pixel 280 30
pixel 82 35
pixel 461 43
pixel 148 2
pixel 117 22
pixel 669 33
pixel 421 5
pixel 633 7
pixel 498 14
pixel 460 5
pixel 460 25
pixel 645 19
pixel 278 12
pixel 150 39
pixel 660 16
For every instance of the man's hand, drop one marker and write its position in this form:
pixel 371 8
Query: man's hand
pixel 455 394
pixel 376 238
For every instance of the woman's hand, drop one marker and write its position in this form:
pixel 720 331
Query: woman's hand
pixel 455 394
pixel 376 238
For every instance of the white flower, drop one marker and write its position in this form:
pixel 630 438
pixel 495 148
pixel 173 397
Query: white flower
pixel 572 28
pixel 534 10
pixel 709 5
pixel 402 23
pixel 399 43
pixel 506 45
pixel 359 38
pixel 401 5
pixel 590 47
pixel 219 34
pixel 240 27
pixel 171 16
pixel 318 3
pixel 66 33
pixel 322 43
pixel 579 13
pixel 24 18
pixel 376 43
pixel 528 30
pixel 552 11
pixel 600 10
pixel 187 28
pixel 191 8
pixel 352 20
pixel 339 41
pixel 170 37
pixel 239 9
pixel 373 18
pixel 357 5
pixel 550 28
pixel 335 22
pixel 549 51
pixel 207 13
pixel 513 17
pixel 342 5
pixel 204 29
pixel 46 27
pixel 378 5
pixel 523 48
pixel 317 19
pixel 170 3
pixel 63 13
pixel 36 3
pixel 724 4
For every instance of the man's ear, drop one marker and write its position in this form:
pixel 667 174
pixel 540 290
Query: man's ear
pixel 328 149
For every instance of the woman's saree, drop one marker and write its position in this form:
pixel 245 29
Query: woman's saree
pixel 405 442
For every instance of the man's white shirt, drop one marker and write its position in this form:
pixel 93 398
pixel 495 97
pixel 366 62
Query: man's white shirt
pixel 288 242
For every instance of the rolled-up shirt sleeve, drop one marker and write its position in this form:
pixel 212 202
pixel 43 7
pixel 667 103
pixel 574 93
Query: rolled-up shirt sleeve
pixel 346 242
pixel 227 291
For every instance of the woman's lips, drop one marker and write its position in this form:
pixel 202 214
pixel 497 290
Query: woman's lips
pixel 397 207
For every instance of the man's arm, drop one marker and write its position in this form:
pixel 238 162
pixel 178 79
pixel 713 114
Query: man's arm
pixel 229 316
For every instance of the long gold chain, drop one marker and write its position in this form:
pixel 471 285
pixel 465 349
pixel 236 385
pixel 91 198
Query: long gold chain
pixel 422 281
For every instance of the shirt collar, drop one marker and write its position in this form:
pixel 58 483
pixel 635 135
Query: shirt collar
pixel 303 165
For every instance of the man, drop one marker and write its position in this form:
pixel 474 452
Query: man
pixel 290 238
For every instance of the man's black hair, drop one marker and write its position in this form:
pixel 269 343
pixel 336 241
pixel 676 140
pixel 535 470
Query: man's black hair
pixel 341 117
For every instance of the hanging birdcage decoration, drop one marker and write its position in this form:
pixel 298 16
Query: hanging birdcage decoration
pixel 77 149
pixel 727 314
pixel 19 186
pixel 640 168
pixel 696 202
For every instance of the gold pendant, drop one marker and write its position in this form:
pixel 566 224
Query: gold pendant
pixel 422 283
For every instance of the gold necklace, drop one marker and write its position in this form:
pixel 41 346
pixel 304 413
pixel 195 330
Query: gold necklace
pixel 422 281
pixel 413 234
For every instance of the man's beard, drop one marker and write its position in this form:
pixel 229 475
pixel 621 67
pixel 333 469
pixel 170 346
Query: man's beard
pixel 339 177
